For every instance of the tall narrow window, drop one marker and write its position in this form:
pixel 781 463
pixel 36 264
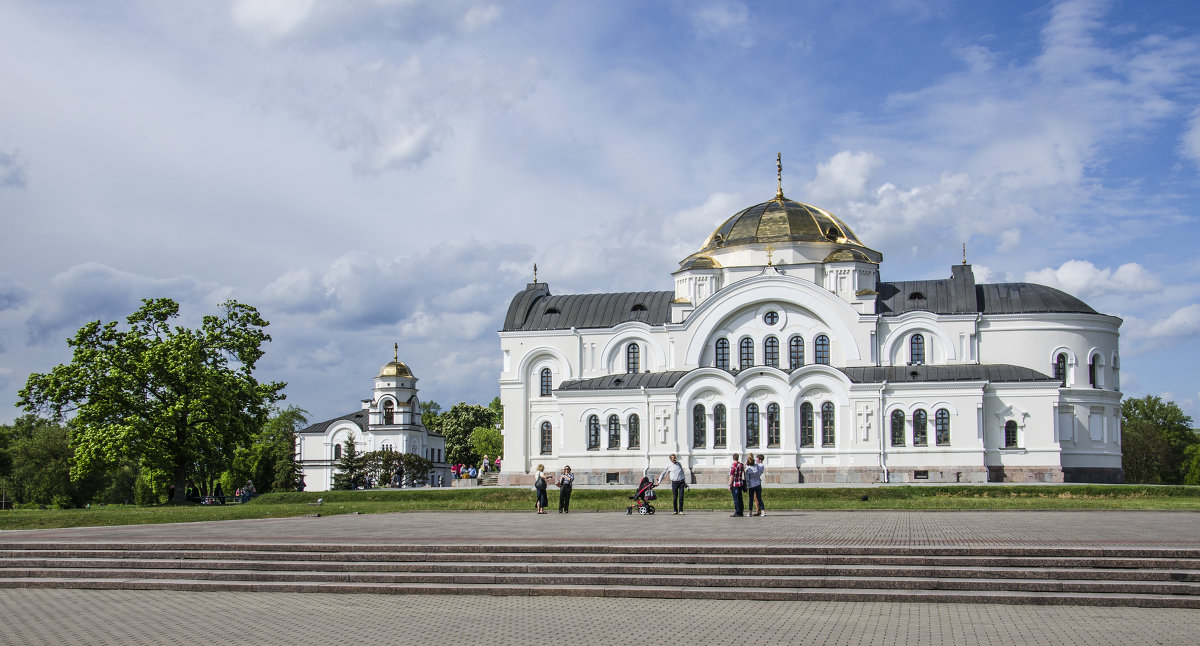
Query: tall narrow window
pixel 593 436
pixel 699 432
pixel 897 428
pixel 1092 369
pixel 547 382
pixel 722 355
pixel 337 451
pixel 632 358
pixel 635 432
pixel 771 352
pixel 746 353
pixel 821 348
pixel 547 437
pixel 1060 368
pixel 719 426
pixel 389 412
pixel 828 435
pixel 1010 434
pixel 614 432
pixel 795 352
pixel 941 426
pixel 752 426
pixel 772 425
pixel 920 428
pixel 806 424
pixel 916 349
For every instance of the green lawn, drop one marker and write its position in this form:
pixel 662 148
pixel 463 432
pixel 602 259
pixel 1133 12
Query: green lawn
pixel 1025 497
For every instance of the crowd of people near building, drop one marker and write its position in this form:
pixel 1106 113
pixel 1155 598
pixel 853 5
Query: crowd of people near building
pixel 465 471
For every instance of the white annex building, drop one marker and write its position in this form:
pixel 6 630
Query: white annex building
pixel 389 420
pixel 781 337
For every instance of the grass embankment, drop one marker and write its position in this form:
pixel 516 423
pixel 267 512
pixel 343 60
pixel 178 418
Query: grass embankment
pixel 282 505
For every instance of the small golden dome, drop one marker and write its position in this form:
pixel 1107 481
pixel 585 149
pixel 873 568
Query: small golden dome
pixel 395 369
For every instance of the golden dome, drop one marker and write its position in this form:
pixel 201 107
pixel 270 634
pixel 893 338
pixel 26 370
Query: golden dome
pixel 395 369
pixel 781 220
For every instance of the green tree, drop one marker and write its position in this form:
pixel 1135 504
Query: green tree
pixel 430 416
pixel 457 425
pixel 174 399
pixel 352 467
pixel 270 459
pixel 487 440
pixel 41 453
pixel 1155 437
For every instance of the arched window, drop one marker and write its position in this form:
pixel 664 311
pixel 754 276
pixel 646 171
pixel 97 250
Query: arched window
pixel 821 347
pixel 941 426
pixel 746 353
pixel 632 358
pixel 828 436
pixel 547 382
pixel 547 438
pixel 722 360
pixel 1093 370
pixel 795 352
pixel 337 451
pixel 699 432
pixel 1060 368
pixel 635 431
pixel 920 428
pixel 806 424
pixel 1010 434
pixel 614 432
pixel 916 349
pixel 752 426
pixel 386 446
pixel 772 425
pixel 771 352
pixel 389 412
pixel 719 426
pixel 593 437
pixel 897 428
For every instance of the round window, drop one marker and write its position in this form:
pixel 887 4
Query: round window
pixel 771 318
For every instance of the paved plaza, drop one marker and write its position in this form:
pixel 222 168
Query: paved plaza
pixel 60 617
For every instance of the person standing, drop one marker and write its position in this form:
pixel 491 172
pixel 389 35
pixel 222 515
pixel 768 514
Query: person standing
pixel 565 481
pixel 678 484
pixel 754 471
pixel 539 485
pixel 737 478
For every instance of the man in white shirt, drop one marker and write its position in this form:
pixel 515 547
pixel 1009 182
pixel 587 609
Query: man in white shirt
pixel 678 484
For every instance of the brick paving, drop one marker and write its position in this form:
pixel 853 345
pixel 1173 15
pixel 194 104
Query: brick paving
pixel 60 617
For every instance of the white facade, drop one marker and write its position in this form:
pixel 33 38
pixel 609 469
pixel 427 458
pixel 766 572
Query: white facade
pixel 979 363
pixel 389 420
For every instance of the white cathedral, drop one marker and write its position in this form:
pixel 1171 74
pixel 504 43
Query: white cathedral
pixel 390 420
pixel 782 338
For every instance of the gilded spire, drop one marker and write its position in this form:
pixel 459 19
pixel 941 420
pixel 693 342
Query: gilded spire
pixel 535 273
pixel 396 352
pixel 779 175
pixel 964 253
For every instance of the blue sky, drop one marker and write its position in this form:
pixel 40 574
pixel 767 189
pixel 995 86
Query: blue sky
pixel 388 171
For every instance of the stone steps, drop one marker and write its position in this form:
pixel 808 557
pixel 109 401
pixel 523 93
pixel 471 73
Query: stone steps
pixel 1079 576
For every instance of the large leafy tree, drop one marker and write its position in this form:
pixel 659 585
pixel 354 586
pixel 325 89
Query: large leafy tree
pixel 174 399
pixel 1155 438
pixel 457 424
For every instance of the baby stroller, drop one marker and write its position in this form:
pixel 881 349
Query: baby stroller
pixel 645 493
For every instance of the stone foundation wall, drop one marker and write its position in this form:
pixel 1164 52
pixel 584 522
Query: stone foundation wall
pixel 1025 474
pixel 1094 475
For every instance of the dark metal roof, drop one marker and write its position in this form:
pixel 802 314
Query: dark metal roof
pixel 535 309
pixel 359 417
pixel 1020 298
pixel 996 373
pixel 626 381
pixel 960 295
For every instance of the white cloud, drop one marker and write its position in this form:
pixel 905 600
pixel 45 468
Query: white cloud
pixel 1082 278
pixel 721 19
pixel 13 169
pixel 1182 323
pixel 270 19
pixel 1191 138
pixel 92 291
pixel 843 177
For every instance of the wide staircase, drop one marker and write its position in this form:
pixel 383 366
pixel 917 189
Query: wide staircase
pixel 1066 576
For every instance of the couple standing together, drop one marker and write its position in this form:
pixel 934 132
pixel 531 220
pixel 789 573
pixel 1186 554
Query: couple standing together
pixel 746 477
